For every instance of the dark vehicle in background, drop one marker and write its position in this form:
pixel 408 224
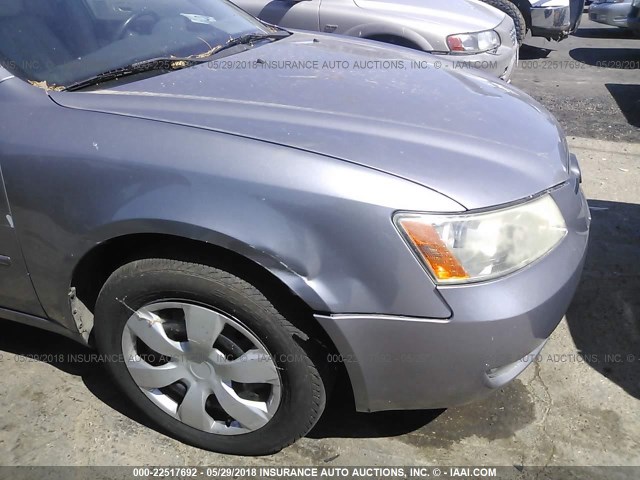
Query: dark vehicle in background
pixel 552 19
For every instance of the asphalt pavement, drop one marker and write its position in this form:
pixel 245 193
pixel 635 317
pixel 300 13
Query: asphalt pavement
pixel 590 81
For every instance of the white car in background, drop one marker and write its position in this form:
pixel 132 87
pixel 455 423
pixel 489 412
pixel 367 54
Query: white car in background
pixel 469 32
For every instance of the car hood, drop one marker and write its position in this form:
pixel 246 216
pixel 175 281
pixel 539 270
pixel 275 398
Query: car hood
pixel 472 138
pixel 459 16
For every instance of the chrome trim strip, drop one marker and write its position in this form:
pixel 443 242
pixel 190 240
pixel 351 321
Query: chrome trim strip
pixel 339 317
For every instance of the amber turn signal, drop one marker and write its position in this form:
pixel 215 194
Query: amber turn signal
pixel 428 243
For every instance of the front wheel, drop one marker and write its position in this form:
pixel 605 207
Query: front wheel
pixel 207 357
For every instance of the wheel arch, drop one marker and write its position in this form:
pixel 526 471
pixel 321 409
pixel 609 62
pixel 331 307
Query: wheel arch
pixel 394 40
pixel 382 32
pixel 269 275
pixel 282 289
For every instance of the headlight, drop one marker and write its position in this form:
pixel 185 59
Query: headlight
pixel 474 42
pixel 474 247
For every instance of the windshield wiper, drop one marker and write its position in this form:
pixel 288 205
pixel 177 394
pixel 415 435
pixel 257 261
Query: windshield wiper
pixel 174 63
pixel 168 64
pixel 248 39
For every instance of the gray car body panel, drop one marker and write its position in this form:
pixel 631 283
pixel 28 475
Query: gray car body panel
pixel 614 14
pixel 425 24
pixel 301 174
pixel 66 202
pixel 444 141
pixel 501 324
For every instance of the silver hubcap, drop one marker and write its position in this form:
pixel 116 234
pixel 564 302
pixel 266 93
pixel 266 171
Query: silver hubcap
pixel 201 367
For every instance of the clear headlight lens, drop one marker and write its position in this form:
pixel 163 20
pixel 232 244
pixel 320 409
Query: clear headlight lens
pixel 474 42
pixel 474 247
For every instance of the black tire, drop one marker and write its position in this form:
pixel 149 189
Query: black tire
pixel 141 282
pixel 516 15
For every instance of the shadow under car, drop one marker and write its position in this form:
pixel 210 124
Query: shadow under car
pixel 604 318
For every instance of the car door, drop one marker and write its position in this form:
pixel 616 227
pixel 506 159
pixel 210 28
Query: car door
pixel 298 14
pixel 16 290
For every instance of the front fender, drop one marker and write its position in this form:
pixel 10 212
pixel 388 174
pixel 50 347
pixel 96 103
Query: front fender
pixel 322 225
pixel 175 228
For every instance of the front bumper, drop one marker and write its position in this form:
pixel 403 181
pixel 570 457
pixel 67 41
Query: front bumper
pixel 614 14
pixel 551 21
pixel 497 328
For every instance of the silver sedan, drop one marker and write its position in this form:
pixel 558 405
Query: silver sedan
pixel 471 33
pixel 611 12
pixel 231 235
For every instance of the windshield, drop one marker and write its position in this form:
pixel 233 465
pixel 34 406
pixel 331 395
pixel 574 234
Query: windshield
pixel 61 42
